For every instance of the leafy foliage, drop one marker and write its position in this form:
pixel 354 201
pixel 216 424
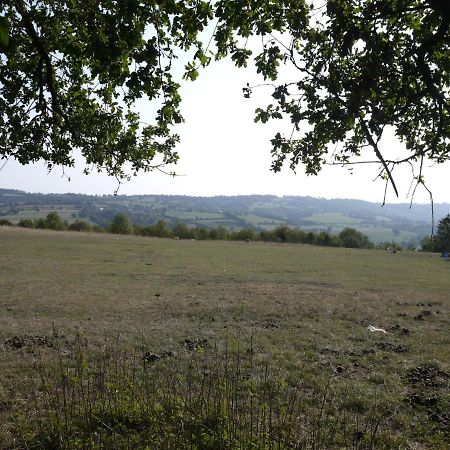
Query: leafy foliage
pixel 52 222
pixel 72 73
pixel 349 237
pixel 4 32
pixel 352 238
pixel 443 234
pixel 121 224
pixel 365 66
pixel 441 241
pixel 80 225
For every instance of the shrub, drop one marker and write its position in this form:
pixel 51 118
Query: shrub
pixel 182 231
pixel 40 223
pixel 54 222
pixel 98 229
pixel 352 238
pixel 80 225
pixel 282 233
pixel 243 235
pixel 121 224
pixel 200 233
pixel 219 233
pixel 26 223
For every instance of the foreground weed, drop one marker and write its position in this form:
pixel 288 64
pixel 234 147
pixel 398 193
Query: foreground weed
pixel 215 398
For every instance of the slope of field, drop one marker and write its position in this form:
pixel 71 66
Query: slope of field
pixel 306 309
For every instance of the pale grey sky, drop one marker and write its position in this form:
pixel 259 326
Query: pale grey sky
pixel 223 152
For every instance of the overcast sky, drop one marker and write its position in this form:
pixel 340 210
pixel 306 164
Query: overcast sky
pixel 223 152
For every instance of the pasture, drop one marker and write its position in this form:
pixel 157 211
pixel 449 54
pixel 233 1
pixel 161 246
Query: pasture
pixel 194 215
pixel 66 213
pixel 302 312
pixel 334 219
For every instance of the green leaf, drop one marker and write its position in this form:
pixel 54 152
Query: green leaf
pixel 4 32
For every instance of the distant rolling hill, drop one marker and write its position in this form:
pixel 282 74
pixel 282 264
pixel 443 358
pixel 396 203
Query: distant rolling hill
pixel 394 222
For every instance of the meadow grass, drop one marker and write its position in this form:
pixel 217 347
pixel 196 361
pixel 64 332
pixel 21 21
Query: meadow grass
pixel 194 215
pixel 260 220
pixel 333 219
pixel 298 313
pixel 386 234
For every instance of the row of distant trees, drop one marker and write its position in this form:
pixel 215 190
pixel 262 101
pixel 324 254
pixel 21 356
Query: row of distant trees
pixel 348 237
pixel 54 222
pixel 122 224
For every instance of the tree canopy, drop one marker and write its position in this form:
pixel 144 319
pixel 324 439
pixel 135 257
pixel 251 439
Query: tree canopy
pixel 71 73
pixel 352 238
pixel 443 234
pixel 441 241
pixel 121 224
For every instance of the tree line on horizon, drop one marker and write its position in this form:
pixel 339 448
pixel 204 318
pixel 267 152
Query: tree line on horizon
pixel 348 237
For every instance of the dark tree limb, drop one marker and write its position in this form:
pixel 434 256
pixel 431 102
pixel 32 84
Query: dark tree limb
pixel 45 57
pixel 425 49
pixel 374 145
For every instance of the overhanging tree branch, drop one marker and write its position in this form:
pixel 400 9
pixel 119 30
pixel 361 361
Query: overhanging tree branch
pixel 425 49
pixel 39 44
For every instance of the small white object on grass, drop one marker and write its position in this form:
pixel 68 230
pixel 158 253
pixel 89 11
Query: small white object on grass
pixel 372 328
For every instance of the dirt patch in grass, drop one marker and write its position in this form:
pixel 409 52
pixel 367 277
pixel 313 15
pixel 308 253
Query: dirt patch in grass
pixel 30 342
pixel 392 347
pixel 428 376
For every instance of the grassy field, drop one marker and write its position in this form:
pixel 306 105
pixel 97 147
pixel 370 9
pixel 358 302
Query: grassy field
pixel 265 223
pixel 383 234
pixel 194 215
pixel 65 214
pixel 301 311
pixel 334 219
